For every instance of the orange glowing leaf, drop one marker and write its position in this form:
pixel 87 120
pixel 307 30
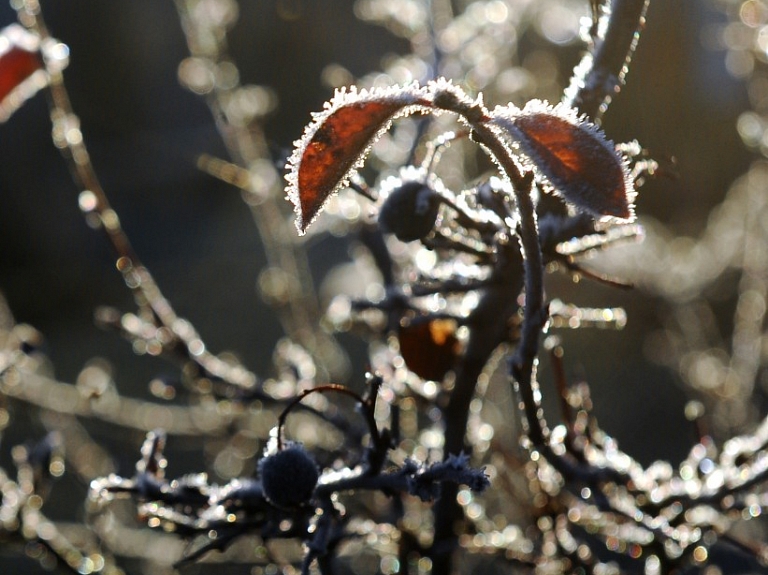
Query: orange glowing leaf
pixel 429 348
pixel 574 156
pixel 338 140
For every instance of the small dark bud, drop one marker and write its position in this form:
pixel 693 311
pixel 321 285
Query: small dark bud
pixel 410 211
pixel 289 476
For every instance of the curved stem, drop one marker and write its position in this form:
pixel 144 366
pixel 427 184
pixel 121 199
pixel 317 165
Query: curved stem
pixel 535 314
pixel 601 73
pixel 369 416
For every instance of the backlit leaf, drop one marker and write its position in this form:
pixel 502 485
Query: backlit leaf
pixel 338 140
pixel 573 155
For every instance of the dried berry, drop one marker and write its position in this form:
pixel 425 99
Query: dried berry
pixel 410 211
pixel 429 348
pixel 289 476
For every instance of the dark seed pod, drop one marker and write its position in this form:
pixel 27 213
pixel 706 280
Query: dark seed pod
pixel 289 476
pixel 410 211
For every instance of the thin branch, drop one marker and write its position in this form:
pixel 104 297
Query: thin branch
pixel 152 304
pixel 602 72
pixel 68 399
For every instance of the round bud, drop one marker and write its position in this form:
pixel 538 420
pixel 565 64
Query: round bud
pixel 410 211
pixel 289 476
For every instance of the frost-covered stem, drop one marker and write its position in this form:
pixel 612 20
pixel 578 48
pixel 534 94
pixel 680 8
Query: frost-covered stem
pixel 535 311
pixel 394 482
pixel 488 328
pixel 446 510
pixel 601 73
pixel 523 363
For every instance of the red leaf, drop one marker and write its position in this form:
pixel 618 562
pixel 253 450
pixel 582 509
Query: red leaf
pixel 429 348
pixel 574 156
pixel 16 65
pixel 22 70
pixel 337 141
